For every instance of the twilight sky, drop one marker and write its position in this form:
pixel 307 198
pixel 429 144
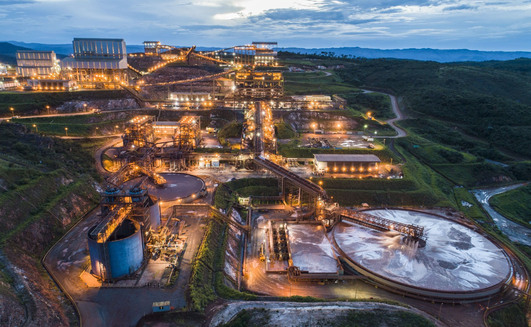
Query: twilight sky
pixel 386 24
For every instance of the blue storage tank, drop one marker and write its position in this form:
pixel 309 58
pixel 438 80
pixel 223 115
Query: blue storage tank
pixel 121 255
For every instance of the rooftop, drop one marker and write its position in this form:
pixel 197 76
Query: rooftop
pixel 346 158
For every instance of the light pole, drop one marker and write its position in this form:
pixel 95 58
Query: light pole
pixel 314 127
pixel 36 128
pixel 12 112
pixel 66 131
pixel 48 109
pixel 84 107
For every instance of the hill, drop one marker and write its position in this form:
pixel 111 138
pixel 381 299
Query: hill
pixel 481 108
pixel 46 185
pixel 8 52
pixel 438 55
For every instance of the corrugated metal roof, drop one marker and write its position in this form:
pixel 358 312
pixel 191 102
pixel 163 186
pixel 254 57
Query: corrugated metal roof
pixel 346 158
pixel 103 63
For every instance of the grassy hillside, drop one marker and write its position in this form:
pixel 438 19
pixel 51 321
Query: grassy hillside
pixel 35 103
pixel 515 205
pixel 46 185
pixel 489 102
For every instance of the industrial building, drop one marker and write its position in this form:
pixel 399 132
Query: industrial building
pixel 251 84
pixel 3 69
pixel 154 144
pixel 9 83
pixel 117 242
pixel 346 163
pixel 152 47
pixel 97 63
pixel 198 97
pixel 256 54
pixel 51 85
pixel 31 63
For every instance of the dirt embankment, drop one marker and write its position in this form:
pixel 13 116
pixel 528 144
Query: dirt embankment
pixel 326 121
pixel 27 293
pixel 104 104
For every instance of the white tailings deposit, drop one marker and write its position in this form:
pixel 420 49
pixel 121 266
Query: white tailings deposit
pixel 232 251
pixel 291 314
pixel 310 249
pixel 455 258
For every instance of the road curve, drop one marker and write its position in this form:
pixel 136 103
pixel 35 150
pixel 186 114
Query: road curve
pixel 399 116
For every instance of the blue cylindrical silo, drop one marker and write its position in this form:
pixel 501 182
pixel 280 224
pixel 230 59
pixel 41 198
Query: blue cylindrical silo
pixel 120 255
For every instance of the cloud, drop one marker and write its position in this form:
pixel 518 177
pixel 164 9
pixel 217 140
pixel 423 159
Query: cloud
pixel 459 7
pixel 484 24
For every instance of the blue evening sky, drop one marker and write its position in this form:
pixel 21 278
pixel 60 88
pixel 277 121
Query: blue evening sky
pixel 386 24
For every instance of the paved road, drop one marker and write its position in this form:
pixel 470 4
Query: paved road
pixel 115 306
pixel 399 116
pixel 515 232
pixel 51 115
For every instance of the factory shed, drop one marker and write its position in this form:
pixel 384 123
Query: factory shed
pixel 341 163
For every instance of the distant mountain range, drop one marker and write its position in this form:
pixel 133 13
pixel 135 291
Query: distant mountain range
pixel 8 50
pixel 416 54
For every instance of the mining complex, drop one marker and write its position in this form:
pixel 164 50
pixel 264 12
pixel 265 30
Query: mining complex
pixel 162 173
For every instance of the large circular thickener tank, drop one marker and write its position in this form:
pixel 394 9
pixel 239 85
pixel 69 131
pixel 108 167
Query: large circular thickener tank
pixel 121 255
pixel 457 263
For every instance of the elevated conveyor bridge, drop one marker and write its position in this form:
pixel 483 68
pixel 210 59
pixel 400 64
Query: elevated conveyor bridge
pixel 415 232
pixel 295 179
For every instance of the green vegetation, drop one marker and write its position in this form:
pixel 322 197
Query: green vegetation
pixel 315 83
pixel 46 186
pixel 78 125
pixel 487 102
pixel 201 286
pixel 35 103
pixel 227 194
pixel 515 205
pixel 512 315
pixel 38 173
pixel 173 318
pixel 231 130
pixel 284 131
pixel 292 151
pixel 206 281
pixel 377 103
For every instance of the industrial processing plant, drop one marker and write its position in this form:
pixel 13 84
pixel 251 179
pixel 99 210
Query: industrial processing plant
pixel 221 177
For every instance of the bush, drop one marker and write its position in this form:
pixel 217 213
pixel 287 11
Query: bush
pixel 512 315
pixel 368 184
pixel 451 156
pixel 284 131
pixel 289 151
pixel 230 130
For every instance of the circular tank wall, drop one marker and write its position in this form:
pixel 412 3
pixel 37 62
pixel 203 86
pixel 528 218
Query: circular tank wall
pixel 121 255
pixel 456 262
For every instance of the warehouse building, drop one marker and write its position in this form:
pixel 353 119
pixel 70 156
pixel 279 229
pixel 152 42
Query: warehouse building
pixel 98 63
pixel 32 63
pixel 346 163
pixel 51 85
